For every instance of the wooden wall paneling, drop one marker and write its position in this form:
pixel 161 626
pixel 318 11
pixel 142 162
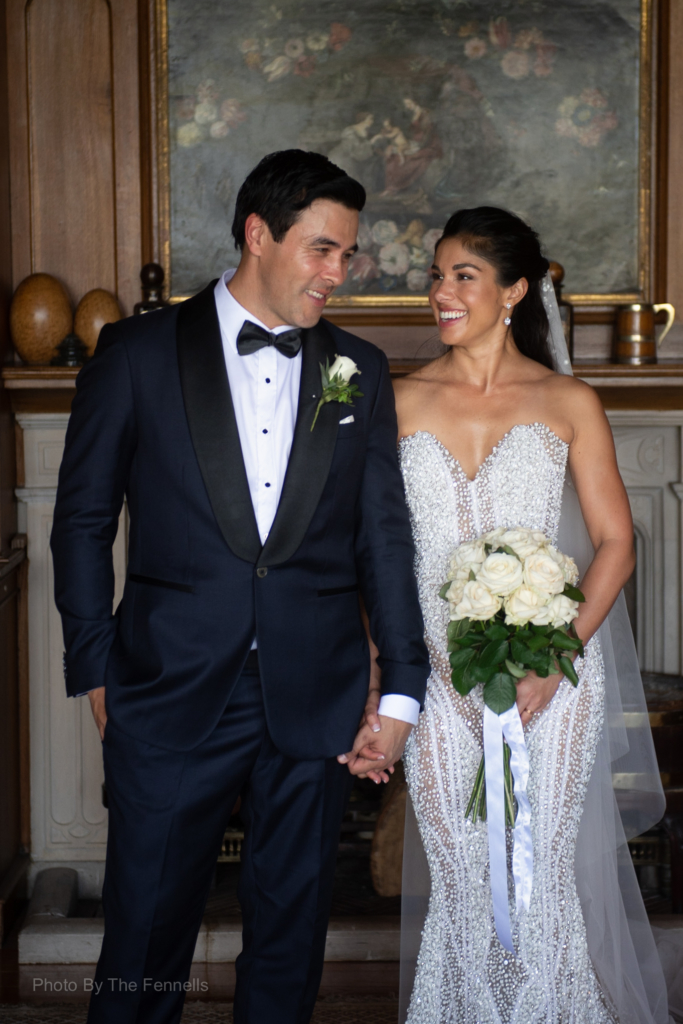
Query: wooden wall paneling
pixel 75 143
pixel 674 161
pixel 126 67
pixel 7 501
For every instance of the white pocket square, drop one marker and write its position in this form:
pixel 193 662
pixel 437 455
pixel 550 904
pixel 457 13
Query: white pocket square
pixel 348 419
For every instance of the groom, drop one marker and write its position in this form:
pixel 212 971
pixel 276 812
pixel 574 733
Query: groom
pixel 236 662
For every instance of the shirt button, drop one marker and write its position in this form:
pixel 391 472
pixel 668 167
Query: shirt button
pixel 267 485
pixel 267 380
pixel 261 571
pixel 265 431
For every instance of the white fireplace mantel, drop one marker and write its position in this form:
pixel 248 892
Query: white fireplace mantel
pixel 68 821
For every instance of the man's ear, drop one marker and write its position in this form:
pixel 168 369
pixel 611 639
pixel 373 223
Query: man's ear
pixel 256 233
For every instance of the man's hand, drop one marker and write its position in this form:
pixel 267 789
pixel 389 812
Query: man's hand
pixel 377 752
pixel 98 710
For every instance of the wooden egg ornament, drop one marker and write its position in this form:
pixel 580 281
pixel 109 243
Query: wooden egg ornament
pixel 97 308
pixel 40 317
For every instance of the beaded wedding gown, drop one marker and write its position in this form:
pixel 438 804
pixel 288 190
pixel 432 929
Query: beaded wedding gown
pixel 464 975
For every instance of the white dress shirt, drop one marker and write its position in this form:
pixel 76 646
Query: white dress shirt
pixel 265 394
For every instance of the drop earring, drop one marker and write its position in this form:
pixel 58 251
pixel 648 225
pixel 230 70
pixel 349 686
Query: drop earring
pixel 508 319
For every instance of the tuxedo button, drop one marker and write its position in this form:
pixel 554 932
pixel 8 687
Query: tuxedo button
pixel 261 571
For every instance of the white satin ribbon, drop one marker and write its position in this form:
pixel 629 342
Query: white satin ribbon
pixel 508 725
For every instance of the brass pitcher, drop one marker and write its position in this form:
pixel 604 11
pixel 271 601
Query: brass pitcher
pixel 636 341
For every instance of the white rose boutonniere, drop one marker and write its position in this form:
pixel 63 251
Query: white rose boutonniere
pixel 336 386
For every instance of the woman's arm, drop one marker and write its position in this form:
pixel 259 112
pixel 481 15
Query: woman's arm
pixel 607 514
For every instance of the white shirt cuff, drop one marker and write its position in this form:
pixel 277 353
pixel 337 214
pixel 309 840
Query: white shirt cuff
pixel 400 706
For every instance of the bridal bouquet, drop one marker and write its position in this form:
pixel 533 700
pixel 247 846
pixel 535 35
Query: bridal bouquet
pixel 512 599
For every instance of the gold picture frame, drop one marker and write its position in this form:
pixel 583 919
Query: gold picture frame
pixel 411 306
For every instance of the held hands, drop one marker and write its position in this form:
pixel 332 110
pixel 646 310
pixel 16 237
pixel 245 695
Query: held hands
pixel 375 753
pixel 98 710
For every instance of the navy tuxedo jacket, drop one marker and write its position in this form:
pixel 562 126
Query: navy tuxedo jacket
pixel 153 421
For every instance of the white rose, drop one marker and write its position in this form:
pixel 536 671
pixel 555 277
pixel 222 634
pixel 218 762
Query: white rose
pixel 454 595
pixel 471 551
pixel 523 606
pixel 501 573
pixel 477 602
pixel 567 564
pixel 563 610
pixel 462 573
pixel 542 617
pixel 542 572
pixel 344 367
pixel 493 535
pixel 523 542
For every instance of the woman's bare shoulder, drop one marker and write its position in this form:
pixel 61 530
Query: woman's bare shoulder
pixel 575 400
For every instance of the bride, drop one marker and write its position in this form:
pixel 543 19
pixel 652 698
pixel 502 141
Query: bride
pixel 487 432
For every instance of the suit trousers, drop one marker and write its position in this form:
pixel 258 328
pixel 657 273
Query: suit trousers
pixel 167 815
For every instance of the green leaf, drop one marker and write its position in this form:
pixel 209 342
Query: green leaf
pixel 470 640
pixel 444 590
pixel 569 670
pixel 573 592
pixel 457 628
pixel 494 652
pixel 520 651
pixel 459 659
pixel 524 634
pixel 500 692
pixel 515 670
pixel 508 551
pixel 544 666
pixel 463 681
pixel 537 643
pixel 564 643
pixel 539 630
pixel 471 576
pixel 482 675
pixel 497 631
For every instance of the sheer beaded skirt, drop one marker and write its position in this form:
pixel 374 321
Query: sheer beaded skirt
pixel 464 975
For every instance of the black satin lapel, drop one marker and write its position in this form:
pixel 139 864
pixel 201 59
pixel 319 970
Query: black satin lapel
pixel 213 427
pixel 311 455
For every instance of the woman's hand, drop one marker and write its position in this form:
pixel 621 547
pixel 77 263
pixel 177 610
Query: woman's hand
pixel 534 694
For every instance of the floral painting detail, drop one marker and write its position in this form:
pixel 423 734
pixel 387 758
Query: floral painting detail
pixel 586 118
pixel 207 119
pixel 432 107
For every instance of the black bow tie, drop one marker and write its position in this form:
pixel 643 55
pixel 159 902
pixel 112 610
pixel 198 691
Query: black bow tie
pixel 252 337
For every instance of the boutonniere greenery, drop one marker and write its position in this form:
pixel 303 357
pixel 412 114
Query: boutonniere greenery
pixel 336 386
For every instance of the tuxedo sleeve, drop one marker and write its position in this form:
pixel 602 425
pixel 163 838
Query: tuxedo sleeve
pixel 385 555
pixel 100 444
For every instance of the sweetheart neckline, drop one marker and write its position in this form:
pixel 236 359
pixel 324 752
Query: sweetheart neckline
pixel 494 450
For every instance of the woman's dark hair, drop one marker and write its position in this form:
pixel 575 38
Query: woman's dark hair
pixel 512 247
pixel 284 184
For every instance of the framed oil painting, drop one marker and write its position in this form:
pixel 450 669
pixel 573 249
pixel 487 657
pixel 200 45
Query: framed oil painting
pixel 540 106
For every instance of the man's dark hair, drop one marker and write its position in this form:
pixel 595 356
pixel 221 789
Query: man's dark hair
pixel 284 184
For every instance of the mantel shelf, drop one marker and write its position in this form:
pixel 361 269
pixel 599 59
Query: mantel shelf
pixel 599 374
pixel 32 377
